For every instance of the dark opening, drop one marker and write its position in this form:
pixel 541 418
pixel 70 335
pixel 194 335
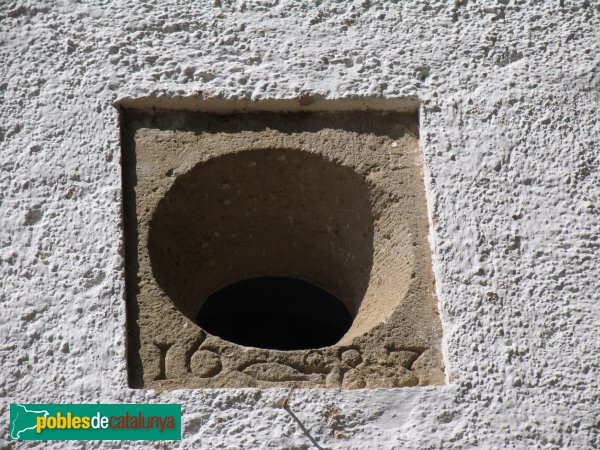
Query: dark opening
pixel 279 313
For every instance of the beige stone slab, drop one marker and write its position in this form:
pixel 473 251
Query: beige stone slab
pixel 336 199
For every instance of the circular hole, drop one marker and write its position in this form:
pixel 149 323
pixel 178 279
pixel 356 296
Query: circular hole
pixel 279 313
pixel 269 215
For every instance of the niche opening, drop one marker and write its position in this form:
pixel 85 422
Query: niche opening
pixel 274 212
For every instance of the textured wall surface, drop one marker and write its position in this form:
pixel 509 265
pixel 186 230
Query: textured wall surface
pixel 510 136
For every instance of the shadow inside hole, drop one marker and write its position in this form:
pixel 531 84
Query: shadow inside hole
pixel 279 313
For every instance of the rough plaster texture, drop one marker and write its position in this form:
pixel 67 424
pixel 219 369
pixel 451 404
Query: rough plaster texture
pixel 510 136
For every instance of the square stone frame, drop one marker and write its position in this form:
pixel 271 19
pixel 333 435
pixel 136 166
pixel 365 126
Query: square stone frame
pixel 400 347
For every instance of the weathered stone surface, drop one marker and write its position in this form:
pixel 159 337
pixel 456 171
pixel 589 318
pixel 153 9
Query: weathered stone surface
pixel 205 363
pixel 333 198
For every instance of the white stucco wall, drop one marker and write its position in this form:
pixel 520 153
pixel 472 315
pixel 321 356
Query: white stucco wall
pixel 510 132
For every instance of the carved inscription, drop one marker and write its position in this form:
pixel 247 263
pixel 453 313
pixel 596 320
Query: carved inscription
pixel 347 368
